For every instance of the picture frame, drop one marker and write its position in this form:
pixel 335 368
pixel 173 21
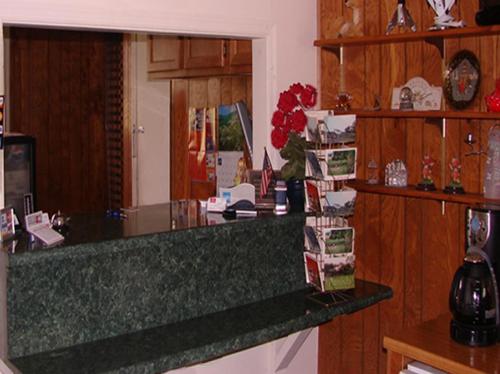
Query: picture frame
pixel 7 224
pixel 462 79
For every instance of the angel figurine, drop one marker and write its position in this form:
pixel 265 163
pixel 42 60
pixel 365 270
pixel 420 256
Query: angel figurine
pixel 443 19
pixel 455 186
pixel 427 183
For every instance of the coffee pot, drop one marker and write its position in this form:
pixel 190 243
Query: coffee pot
pixel 474 301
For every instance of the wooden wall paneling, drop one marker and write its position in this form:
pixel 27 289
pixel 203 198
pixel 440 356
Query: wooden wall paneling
pixel 55 138
pixel 330 347
pixel 249 95
pixel 39 104
pixel 238 88
pixel 179 181
pixel 213 95
pixel 95 126
pixel 226 95
pixel 392 266
pixel 438 233
pixel 413 264
pixel 371 263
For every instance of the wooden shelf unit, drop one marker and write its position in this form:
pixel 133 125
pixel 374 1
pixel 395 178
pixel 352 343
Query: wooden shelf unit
pixel 429 36
pixel 439 114
pixel 412 192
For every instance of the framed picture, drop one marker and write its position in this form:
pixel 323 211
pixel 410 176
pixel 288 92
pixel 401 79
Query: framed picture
pixel 7 225
pixel 462 78
pixel 338 241
pixel 340 164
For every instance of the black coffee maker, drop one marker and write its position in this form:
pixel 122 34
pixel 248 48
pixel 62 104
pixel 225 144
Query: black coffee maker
pixel 474 295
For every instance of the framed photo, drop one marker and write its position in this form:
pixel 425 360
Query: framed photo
pixel 7 224
pixel 338 241
pixel 339 203
pixel 340 164
pixel 313 274
pixel 462 78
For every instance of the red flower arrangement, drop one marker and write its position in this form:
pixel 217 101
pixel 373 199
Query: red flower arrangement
pixel 290 116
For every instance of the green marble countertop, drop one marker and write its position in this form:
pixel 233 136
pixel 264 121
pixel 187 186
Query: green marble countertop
pixel 188 342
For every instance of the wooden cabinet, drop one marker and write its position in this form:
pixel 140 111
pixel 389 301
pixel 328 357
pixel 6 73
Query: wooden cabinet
pixel 430 343
pixel 186 57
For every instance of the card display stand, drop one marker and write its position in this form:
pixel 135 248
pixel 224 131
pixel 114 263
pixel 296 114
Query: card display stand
pixel 329 237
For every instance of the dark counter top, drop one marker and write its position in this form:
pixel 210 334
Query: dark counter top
pixel 185 343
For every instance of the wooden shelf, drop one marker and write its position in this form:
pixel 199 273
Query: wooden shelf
pixel 430 36
pixel 423 114
pixel 411 191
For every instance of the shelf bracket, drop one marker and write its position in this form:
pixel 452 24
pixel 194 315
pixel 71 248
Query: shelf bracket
pixel 438 43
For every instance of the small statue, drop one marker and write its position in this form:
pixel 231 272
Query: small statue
pixel 427 183
pixel 348 27
pixel 443 19
pixel 343 102
pixel 401 18
pixel 493 100
pixel 455 186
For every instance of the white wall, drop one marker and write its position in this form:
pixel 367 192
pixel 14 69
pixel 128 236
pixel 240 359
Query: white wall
pixel 283 54
pixel 151 147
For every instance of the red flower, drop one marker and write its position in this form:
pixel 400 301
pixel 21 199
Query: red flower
pixel 296 88
pixel 278 119
pixel 279 137
pixel 297 121
pixel 287 102
pixel 308 96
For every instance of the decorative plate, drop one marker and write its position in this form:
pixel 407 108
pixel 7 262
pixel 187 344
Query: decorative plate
pixel 462 79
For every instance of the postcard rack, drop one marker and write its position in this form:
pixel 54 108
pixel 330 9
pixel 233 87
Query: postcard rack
pixel 329 237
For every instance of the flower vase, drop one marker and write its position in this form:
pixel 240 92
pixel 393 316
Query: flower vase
pixel 295 194
pixel 493 100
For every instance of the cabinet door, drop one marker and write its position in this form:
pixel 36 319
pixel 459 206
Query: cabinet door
pixel 240 52
pixel 203 53
pixel 164 53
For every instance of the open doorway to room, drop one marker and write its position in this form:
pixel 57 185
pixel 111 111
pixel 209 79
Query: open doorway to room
pixel 109 111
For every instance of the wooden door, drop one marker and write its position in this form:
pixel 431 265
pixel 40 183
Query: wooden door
pixel 240 52
pixel 165 53
pixel 59 91
pixel 203 53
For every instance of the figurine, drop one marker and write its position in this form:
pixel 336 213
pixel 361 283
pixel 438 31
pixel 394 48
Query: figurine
pixel 443 19
pixel 401 18
pixel 396 174
pixel 493 100
pixel 372 172
pixel 343 102
pixel 455 186
pixel 347 27
pixel 427 183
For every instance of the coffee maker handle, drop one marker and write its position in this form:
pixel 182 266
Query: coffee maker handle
pixel 492 273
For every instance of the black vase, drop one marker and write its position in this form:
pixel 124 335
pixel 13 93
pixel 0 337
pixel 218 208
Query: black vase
pixel 295 194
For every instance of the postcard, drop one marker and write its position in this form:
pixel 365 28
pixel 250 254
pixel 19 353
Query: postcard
pixel 338 241
pixel 313 274
pixel 313 203
pixel 340 129
pixel 311 240
pixel 339 203
pixel 340 164
pixel 339 273
pixel 313 166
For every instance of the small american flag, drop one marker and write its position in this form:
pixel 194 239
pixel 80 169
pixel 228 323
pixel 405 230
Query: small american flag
pixel 267 173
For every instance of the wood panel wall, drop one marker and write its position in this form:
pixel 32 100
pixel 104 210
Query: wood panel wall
pixel 412 245
pixel 198 93
pixel 57 95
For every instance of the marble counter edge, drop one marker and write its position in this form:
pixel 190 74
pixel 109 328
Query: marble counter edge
pixel 241 341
